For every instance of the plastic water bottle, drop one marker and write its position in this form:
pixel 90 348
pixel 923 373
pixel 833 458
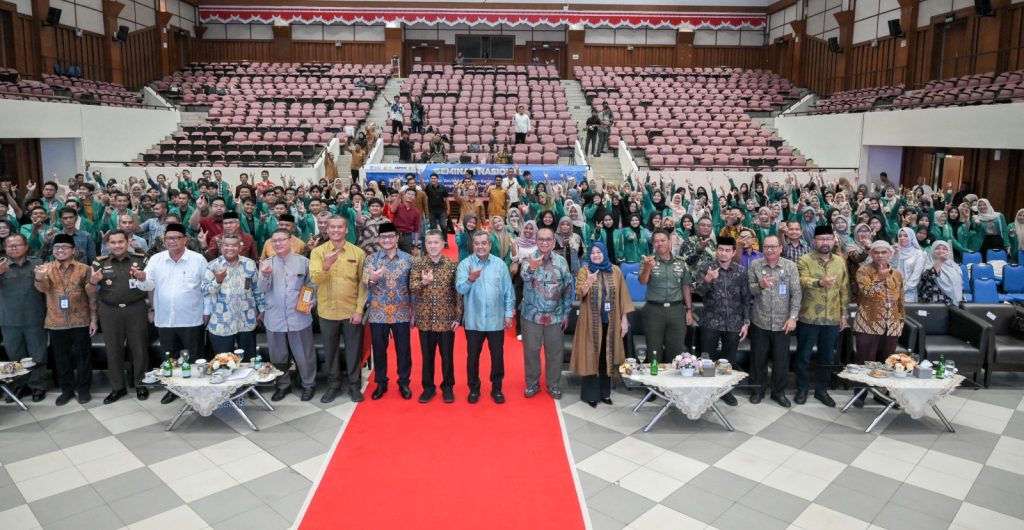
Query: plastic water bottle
pixel 257 362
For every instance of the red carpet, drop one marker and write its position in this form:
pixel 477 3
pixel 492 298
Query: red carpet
pixel 402 464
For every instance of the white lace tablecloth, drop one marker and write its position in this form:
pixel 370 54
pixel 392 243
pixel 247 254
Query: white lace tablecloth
pixel 201 394
pixel 693 395
pixel 7 378
pixel 915 395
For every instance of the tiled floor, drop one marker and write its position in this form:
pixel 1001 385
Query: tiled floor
pixel 811 467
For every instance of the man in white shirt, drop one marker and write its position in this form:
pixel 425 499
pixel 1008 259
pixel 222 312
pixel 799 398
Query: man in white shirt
pixel 175 276
pixel 522 125
pixel 511 185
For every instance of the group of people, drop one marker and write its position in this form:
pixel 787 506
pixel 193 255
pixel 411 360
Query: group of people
pixel 207 262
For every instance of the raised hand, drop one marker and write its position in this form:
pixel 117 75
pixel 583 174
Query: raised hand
pixel 427 277
pixel 41 270
pixel 220 274
pixel 766 281
pixel 377 274
pixel 97 276
pixel 712 275
pixel 202 238
pixel 139 275
pixel 4 266
pixel 648 262
pixel 330 259
pixel 474 274
pixel 535 262
pixel 266 267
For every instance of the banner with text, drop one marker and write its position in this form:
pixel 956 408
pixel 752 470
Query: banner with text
pixel 482 173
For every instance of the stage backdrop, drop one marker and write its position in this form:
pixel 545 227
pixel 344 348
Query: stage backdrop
pixel 482 173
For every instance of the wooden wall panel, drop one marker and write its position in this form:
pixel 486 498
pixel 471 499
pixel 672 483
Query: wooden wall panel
pixel 1014 56
pixel 348 52
pixel 1001 181
pixel 612 55
pixel 735 56
pixel 233 50
pixel 181 46
pixel 140 55
pixel 872 66
pixel 27 46
pixel 22 161
pixel 85 51
pixel 818 68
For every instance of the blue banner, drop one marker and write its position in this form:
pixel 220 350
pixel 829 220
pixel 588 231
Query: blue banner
pixel 450 174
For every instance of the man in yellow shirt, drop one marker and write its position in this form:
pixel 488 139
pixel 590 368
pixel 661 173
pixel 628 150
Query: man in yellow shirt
pixel 286 221
pixel 497 198
pixel 336 267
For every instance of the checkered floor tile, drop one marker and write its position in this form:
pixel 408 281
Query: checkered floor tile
pixel 810 467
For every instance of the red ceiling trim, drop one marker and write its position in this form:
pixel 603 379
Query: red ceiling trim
pixel 533 19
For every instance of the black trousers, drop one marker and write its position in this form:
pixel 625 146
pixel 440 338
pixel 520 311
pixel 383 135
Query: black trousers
pixel 520 138
pixel 380 335
pixel 332 332
pixel 397 126
pixel 594 388
pixel 590 146
pixel 764 345
pixel 175 339
pixel 439 221
pixel 431 342
pixel 72 351
pixel 474 345
pixel 709 339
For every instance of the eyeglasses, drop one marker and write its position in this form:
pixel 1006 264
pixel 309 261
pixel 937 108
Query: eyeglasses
pixel 770 247
pixel 173 238
pixel 545 239
pixel 63 247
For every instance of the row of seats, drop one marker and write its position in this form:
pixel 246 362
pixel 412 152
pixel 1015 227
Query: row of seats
pixel 859 100
pixel 281 113
pixel 974 89
pixel 63 89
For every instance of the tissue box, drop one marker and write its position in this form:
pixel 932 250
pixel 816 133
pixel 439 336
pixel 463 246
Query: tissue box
pixel 923 373
pixel 708 371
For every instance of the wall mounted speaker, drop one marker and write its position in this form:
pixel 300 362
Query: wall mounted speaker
pixel 983 8
pixel 122 34
pixel 895 30
pixel 833 45
pixel 52 16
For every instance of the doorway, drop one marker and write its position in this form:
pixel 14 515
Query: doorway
pixel 948 172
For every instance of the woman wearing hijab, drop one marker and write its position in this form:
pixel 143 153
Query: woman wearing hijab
pixel 676 206
pixel 525 247
pixel 994 225
pixel 579 222
pixel 501 240
pixel 942 229
pixel 924 238
pixel 808 221
pixel 841 227
pixel 6 229
pixel 857 252
pixel 547 220
pixel 464 237
pixel 597 346
pixel 942 281
pixel 605 233
pixel 632 242
pixel 910 262
pixel 1017 235
pixel 569 244
pixel 514 222
pixel 878 230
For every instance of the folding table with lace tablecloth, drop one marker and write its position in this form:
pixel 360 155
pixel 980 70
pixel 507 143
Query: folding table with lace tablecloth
pixel 5 386
pixel 201 395
pixel 914 396
pixel 693 395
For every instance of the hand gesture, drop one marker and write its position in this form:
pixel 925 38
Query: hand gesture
pixel 377 274
pixel 330 259
pixel 508 322
pixel 474 274
pixel 648 262
pixel 97 276
pixel 220 274
pixel 535 262
pixel 427 277
pixel 202 238
pixel 789 325
pixel 766 280
pixel 712 275
pixel 201 202
pixel 41 270
pixel 827 281
pixel 266 267
pixel 31 186
pixel 591 279
pixel 134 272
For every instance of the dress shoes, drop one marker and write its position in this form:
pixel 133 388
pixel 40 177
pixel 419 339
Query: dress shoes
pixel 329 395
pixel 473 397
pixel 63 399
pixel 427 395
pixel 729 399
pixel 84 397
pixel 593 404
pixel 606 401
pixel 859 402
pixel 782 400
pixel 280 393
pixel 448 395
pixel 498 397
pixel 801 397
pixel 38 395
pixel 307 394
pixel 404 391
pixel 114 396
pixel 756 398
pixel 531 391
pixel 825 399
pixel 168 397
pixel 356 395
pixel 555 393
pixel 379 391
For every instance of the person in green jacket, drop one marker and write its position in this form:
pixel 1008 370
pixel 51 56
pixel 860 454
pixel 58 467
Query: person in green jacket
pixel 1017 236
pixel 993 224
pixel 605 233
pixel 632 242
pixel 941 229
pixel 464 236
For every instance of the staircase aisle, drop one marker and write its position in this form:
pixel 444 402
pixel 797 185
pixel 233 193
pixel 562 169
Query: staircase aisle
pixel 605 166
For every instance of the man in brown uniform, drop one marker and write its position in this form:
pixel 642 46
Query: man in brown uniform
pixel 123 313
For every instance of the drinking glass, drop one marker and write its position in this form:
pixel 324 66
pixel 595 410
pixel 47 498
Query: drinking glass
pixel 641 355
pixel 950 368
